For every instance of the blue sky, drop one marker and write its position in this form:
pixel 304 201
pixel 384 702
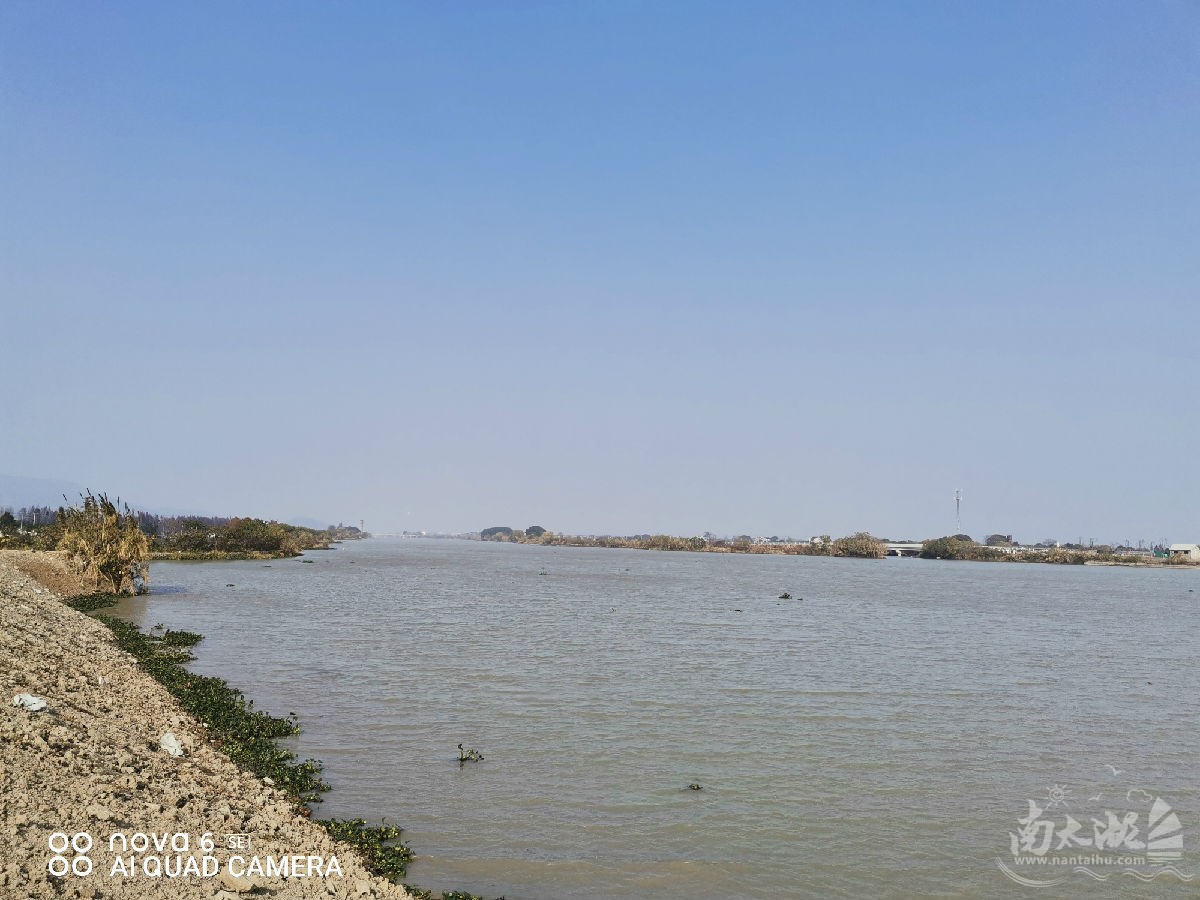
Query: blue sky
pixel 609 267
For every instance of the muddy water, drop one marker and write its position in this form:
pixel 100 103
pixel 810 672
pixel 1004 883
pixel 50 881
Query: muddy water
pixel 880 736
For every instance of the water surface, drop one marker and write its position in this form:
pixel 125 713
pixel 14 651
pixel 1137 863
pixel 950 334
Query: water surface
pixel 878 737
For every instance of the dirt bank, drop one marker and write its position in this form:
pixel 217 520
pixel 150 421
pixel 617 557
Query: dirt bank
pixel 90 766
pixel 51 569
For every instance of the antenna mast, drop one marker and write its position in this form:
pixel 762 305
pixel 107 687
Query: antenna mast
pixel 958 511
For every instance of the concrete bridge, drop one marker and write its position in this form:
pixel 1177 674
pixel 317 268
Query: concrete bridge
pixel 903 549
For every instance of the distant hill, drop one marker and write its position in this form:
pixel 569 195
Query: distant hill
pixel 17 491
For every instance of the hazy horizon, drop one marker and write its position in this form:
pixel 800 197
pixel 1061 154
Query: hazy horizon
pixel 19 491
pixel 770 269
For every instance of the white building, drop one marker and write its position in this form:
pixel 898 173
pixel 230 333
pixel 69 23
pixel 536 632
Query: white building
pixel 1185 551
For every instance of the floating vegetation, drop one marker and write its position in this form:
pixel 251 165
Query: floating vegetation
pixel 421 894
pixel 694 787
pixel 785 596
pixel 471 755
pixel 379 845
pixel 92 602
pixel 173 638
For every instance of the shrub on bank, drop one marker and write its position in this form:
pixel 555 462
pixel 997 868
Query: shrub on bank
pixel 240 538
pixel 954 547
pixel 106 544
pixel 861 545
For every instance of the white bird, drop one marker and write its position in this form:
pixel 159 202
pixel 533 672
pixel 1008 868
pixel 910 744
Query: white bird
pixel 1115 770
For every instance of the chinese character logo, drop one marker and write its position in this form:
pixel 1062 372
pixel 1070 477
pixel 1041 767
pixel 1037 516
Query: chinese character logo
pixel 1050 845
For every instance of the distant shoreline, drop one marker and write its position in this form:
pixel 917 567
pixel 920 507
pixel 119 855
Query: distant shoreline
pixel 859 546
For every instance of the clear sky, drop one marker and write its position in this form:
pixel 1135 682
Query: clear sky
pixel 609 267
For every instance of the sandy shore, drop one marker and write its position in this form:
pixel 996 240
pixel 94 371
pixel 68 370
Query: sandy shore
pixel 90 768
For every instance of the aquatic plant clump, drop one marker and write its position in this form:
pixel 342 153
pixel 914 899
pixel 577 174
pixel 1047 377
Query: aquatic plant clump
pixel 378 845
pixel 92 602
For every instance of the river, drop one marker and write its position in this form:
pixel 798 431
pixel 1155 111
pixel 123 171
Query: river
pixel 880 734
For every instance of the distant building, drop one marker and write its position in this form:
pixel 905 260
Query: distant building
pixel 1185 551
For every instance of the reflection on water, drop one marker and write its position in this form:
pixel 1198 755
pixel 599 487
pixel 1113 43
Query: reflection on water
pixel 880 736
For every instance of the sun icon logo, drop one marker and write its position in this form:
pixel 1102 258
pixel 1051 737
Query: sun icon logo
pixel 1057 796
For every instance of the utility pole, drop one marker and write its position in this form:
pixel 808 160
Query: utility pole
pixel 958 511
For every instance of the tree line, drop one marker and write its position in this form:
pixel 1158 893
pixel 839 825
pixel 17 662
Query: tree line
pixel 860 545
pixel 111 545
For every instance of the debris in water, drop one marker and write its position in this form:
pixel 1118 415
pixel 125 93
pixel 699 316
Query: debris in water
pixel 471 755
